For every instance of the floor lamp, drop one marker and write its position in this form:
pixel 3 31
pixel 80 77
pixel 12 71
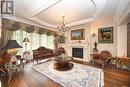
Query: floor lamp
pixel 26 40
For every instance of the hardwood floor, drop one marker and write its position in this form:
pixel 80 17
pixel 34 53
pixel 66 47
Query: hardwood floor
pixel 113 77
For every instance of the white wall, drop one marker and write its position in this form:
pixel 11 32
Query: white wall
pixel 110 47
pixel 122 40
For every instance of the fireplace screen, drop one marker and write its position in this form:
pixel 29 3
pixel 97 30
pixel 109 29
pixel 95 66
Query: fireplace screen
pixel 77 52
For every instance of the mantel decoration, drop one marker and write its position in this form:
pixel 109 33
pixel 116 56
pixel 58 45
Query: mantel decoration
pixel 95 50
pixel 78 34
pixel 105 35
pixel 62 29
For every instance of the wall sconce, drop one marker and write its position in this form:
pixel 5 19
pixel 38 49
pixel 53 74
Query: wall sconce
pixel 93 34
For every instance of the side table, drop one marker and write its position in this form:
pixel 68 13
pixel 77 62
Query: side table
pixel 122 61
pixel 13 67
pixel 93 56
pixel 27 55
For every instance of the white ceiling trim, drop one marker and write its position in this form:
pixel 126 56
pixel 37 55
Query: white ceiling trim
pixel 43 23
pixel 124 16
pixel 100 4
pixel 81 22
pixel 35 11
pixel 71 24
pixel 121 10
pixel 32 14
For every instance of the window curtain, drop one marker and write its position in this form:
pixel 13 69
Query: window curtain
pixel 15 25
pixel 42 36
pixel 5 36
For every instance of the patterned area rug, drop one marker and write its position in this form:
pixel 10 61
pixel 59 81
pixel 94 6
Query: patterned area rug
pixel 79 76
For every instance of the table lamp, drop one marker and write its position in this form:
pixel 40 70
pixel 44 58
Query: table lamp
pixel 11 46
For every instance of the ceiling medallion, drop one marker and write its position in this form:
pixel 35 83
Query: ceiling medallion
pixel 62 28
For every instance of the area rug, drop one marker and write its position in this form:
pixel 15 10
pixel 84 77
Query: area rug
pixel 79 76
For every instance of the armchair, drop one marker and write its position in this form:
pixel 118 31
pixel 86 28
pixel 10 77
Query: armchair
pixel 102 58
pixel 60 51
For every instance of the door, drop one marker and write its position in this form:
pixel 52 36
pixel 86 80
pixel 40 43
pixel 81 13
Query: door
pixel 128 39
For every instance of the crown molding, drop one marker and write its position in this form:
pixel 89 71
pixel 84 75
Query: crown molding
pixel 91 19
pixel 122 11
pixel 43 23
pixel 100 4
pixel 36 11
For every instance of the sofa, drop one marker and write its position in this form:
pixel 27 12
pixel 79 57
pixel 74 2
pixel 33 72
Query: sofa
pixel 43 53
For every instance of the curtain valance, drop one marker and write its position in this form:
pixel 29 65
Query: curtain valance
pixel 15 25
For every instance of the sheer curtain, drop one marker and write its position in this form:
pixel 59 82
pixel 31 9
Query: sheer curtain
pixel 36 40
pixel 5 36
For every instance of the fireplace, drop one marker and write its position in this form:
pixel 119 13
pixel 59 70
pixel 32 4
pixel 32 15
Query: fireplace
pixel 77 52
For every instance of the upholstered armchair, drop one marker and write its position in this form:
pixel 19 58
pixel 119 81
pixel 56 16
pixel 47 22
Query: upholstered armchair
pixel 103 58
pixel 60 51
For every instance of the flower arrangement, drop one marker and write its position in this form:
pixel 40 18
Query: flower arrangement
pixel 12 51
pixel 5 57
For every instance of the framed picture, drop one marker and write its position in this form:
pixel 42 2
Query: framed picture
pixel 105 35
pixel 78 34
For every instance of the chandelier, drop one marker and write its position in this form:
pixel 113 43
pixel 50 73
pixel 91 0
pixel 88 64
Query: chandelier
pixel 62 28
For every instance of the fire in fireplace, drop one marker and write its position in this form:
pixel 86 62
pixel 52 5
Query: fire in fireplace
pixel 77 52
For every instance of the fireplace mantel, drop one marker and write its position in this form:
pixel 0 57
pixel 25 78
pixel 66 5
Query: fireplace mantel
pixel 85 52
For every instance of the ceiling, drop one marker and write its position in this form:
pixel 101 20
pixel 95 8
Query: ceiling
pixel 48 13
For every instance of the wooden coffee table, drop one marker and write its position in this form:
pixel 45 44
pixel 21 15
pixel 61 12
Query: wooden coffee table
pixel 63 64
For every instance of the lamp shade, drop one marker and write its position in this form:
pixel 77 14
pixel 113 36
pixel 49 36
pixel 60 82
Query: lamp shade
pixel 11 44
pixel 26 39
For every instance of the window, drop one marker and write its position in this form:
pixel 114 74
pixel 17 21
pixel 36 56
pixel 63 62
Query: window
pixel 35 40
pixel 44 40
pixel 50 42
pixel 16 36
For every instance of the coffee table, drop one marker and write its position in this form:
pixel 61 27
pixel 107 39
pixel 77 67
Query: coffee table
pixel 63 64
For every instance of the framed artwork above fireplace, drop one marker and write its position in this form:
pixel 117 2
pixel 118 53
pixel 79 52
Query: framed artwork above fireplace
pixel 78 34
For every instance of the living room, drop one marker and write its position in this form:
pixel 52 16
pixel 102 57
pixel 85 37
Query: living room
pixel 64 37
